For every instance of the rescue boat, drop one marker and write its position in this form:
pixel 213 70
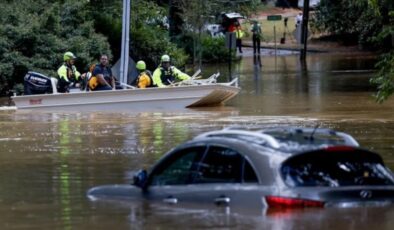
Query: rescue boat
pixel 186 94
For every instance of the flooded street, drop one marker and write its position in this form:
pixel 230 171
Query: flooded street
pixel 49 160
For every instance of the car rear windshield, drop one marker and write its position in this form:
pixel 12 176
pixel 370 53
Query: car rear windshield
pixel 336 168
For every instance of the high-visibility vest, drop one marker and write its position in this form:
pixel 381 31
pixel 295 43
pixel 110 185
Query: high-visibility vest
pixel 239 33
pixel 144 80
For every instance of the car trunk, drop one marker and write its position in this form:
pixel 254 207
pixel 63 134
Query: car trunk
pixel 337 176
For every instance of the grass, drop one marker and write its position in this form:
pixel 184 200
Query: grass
pixel 267 27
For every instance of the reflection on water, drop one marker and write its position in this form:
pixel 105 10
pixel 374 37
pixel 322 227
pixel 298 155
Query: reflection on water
pixel 49 160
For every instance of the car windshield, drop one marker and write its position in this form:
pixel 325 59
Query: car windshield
pixel 334 169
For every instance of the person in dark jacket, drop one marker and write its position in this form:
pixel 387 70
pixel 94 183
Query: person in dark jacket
pixel 256 37
pixel 103 74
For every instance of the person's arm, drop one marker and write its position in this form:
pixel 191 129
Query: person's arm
pixel 157 78
pixel 113 82
pixel 179 74
pixel 97 72
pixel 62 72
pixel 101 80
pixel 113 78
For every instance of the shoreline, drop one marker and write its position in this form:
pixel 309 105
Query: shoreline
pixel 316 42
pixel 313 47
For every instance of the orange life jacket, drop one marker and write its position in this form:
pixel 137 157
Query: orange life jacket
pixel 92 80
pixel 144 80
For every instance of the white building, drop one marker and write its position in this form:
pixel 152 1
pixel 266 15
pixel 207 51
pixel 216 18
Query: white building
pixel 312 3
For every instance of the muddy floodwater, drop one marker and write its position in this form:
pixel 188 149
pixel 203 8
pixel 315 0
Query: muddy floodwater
pixel 49 160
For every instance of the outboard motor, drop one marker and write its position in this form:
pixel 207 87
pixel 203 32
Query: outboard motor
pixel 36 83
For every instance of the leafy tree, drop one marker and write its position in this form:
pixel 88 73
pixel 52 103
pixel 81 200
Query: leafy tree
pixel 36 33
pixel 107 17
pixel 384 79
pixel 149 35
pixel 353 21
pixel 371 24
pixel 196 14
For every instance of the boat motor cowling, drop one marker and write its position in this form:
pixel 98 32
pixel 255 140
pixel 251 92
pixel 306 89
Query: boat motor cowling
pixel 36 83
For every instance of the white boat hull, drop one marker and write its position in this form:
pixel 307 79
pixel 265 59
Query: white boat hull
pixel 131 99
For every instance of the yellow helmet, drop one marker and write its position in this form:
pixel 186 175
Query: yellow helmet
pixel 140 65
pixel 68 56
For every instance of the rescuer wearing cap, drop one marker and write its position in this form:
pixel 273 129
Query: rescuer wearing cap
pixel 144 78
pixel 67 73
pixel 166 74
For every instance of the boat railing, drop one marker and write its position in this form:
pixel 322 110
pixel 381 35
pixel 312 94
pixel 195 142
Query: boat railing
pixel 234 82
pixel 127 85
pixel 195 80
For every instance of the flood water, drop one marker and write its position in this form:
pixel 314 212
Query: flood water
pixel 49 160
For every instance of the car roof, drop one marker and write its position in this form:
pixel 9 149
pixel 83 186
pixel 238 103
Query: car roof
pixel 233 15
pixel 290 140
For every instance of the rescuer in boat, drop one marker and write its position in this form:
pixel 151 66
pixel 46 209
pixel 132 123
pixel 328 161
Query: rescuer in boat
pixel 165 74
pixel 144 78
pixel 68 73
pixel 102 77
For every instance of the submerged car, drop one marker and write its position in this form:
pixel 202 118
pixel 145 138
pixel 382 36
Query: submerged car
pixel 274 167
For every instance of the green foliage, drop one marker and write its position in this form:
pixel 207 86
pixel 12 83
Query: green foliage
pixel 37 33
pixel 214 49
pixel 355 21
pixel 352 20
pixel 150 44
pixel 371 24
pixel 107 17
pixel 384 79
pixel 196 14
pixel 150 37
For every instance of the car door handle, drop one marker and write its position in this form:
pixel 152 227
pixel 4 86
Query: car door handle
pixel 222 200
pixel 170 200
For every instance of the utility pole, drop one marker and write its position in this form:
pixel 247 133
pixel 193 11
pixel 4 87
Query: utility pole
pixel 124 53
pixel 171 18
pixel 304 29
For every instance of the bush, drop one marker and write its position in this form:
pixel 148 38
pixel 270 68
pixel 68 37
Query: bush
pixel 354 21
pixel 384 78
pixel 150 43
pixel 37 33
pixel 214 49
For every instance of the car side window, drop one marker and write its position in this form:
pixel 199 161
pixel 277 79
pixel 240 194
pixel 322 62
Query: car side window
pixel 176 169
pixel 249 176
pixel 223 165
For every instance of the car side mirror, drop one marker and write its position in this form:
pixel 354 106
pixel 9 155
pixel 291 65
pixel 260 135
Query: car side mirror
pixel 140 178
